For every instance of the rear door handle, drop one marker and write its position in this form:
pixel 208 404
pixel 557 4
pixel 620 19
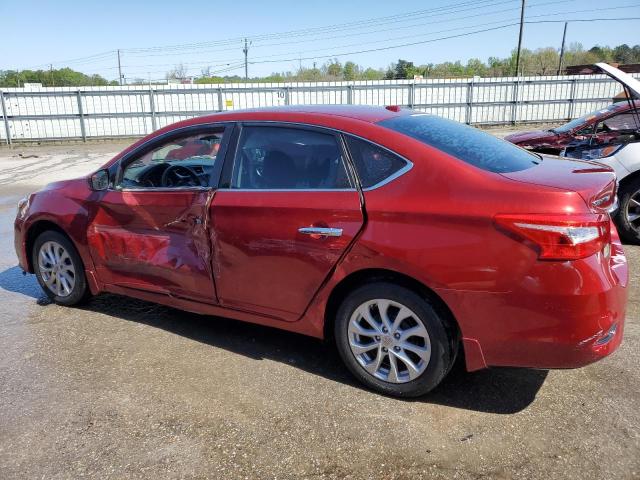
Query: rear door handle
pixel 324 232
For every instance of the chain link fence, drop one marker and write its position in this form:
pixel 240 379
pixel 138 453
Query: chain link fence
pixel 39 114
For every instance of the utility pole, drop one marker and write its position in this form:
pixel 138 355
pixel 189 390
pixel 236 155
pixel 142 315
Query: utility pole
pixel 119 68
pixel 53 83
pixel 520 39
pixel 564 37
pixel 245 50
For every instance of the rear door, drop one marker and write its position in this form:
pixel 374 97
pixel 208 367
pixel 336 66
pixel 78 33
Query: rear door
pixel 287 211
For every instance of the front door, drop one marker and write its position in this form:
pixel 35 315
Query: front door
pixel 150 231
pixel 290 211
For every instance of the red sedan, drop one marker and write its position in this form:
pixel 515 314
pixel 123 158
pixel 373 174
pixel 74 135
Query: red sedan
pixel 407 238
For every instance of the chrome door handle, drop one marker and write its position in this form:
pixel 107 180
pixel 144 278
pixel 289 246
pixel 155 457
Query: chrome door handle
pixel 325 232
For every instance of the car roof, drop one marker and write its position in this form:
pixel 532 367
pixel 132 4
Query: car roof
pixel 363 113
pixel 624 104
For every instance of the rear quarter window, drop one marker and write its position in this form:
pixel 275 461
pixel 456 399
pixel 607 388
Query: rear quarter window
pixel 465 143
pixel 374 164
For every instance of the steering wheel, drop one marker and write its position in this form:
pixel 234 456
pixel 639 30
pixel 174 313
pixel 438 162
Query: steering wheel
pixel 179 176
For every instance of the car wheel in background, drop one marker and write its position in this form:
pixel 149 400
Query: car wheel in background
pixel 393 340
pixel 627 217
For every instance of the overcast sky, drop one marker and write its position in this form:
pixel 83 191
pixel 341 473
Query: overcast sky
pixel 38 33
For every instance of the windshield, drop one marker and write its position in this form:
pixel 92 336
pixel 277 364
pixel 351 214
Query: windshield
pixel 468 144
pixel 578 122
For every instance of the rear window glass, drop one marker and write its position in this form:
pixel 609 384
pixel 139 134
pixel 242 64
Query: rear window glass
pixel 468 144
pixel 373 164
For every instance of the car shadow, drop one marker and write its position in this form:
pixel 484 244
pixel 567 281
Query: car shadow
pixel 497 390
pixel 13 280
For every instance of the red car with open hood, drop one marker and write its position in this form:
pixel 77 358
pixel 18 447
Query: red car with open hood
pixel 602 127
pixel 406 238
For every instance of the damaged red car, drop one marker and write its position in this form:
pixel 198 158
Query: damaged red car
pixel 407 239
pixel 614 123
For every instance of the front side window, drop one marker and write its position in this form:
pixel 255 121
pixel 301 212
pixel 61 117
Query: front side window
pixel 182 162
pixel 468 144
pixel 288 158
pixel 373 164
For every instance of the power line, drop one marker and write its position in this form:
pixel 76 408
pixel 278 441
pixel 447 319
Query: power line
pixel 261 60
pixel 332 28
pixel 421 42
pixel 73 60
pixel 103 56
pixel 377 31
pixel 320 30
pixel 362 24
pixel 435 32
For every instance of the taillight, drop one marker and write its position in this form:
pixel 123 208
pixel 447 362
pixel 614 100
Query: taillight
pixel 559 237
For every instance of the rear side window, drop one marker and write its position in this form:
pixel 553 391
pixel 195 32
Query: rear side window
pixel 288 158
pixel 468 144
pixel 373 164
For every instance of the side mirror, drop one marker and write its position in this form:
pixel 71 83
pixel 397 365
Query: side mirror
pixel 100 180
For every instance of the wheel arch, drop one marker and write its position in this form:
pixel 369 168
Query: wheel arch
pixel 35 230
pixel 372 275
pixel 624 181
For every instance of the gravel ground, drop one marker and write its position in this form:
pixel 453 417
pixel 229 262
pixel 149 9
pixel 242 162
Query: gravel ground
pixel 126 389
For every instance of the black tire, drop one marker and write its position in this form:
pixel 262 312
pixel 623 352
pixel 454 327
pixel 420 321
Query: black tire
pixel 627 231
pixel 443 348
pixel 80 291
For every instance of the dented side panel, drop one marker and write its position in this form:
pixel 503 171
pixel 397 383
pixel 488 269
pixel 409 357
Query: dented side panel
pixel 155 241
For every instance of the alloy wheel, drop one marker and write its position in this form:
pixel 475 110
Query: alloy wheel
pixel 56 268
pixel 633 211
pixel 389 341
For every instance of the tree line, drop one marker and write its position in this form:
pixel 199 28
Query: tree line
pixel 542 61
pixel 62 77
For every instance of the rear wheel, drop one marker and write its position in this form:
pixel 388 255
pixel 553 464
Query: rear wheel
pixel 393 340
pixel 628 216
pixel 59 269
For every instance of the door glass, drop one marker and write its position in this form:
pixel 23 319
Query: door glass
pixel 288 158
pixel 373 164
pixel 178 163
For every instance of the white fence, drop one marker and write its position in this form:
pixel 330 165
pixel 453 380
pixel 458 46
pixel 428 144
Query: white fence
pixel 99 112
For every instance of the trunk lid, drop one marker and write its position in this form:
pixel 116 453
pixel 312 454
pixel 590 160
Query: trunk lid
pixel 596 183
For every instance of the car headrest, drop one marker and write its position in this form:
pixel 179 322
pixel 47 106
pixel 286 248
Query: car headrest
pixel 279 170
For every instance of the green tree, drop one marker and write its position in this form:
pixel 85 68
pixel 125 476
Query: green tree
pixel 404 69
pixel 372 74
pixel 350 71
pixel 333 68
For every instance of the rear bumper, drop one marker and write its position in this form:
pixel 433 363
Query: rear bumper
pixel 568 317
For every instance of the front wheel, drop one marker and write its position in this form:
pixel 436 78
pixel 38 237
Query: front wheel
pixel 59 269
pixel 392 340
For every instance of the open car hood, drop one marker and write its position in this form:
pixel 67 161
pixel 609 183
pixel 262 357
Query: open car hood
pixel 624 78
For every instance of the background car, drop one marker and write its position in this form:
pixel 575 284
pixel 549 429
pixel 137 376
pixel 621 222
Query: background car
pixel 405 238
pixel 610 136
pixel 614 123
